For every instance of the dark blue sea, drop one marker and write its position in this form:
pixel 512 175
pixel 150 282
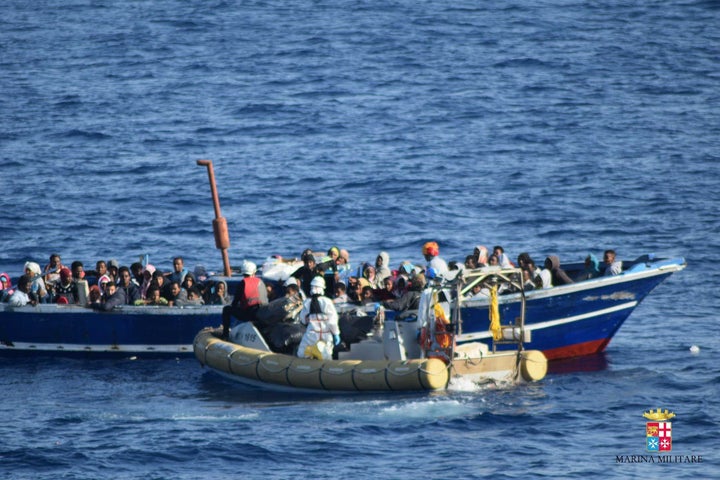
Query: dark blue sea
pixel 552 127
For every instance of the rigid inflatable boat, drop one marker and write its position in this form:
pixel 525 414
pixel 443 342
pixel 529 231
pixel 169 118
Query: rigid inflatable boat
pixel 418 353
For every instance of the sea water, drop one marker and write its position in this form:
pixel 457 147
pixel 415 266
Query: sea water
pixel 553 127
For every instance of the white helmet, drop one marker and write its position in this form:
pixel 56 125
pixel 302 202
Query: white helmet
pixel 248 268
pixel 317 286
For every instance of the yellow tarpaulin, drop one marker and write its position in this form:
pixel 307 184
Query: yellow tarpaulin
pixel 494 314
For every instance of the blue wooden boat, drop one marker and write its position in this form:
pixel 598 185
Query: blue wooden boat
pixel 564 321
pixel 576 319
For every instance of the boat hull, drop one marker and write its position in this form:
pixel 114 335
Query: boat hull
pixel 69 330
pixel 571 320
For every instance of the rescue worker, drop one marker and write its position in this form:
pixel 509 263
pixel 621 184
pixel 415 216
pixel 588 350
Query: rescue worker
pixel 321 318
pixel 431 252
pixel 250 293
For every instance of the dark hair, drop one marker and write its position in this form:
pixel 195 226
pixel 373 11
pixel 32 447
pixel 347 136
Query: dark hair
pixel 76 263
pixel 24 281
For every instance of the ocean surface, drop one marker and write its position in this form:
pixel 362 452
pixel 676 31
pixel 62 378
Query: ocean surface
pixel 552 127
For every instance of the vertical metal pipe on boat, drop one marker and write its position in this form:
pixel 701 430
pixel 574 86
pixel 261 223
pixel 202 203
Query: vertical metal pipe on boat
pixel 220 228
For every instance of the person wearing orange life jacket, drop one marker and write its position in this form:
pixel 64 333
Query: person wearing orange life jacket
pixel 250 293
pixel 321 318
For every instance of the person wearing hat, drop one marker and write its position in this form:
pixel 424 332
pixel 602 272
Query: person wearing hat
pixel 66 288
pixel 321 318
pixel 431 252
pixel 250 294
pixel 38 290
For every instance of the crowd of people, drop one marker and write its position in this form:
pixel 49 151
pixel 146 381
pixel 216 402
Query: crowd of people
pixel 110 284
pixel 307 297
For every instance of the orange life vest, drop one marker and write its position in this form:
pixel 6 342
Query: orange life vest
pixel 251 292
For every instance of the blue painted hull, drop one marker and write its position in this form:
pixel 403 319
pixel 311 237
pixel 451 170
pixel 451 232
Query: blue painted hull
pixel 78 331
pixel 571 320
pixel 567 321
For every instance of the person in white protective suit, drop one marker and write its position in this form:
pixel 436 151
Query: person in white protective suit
pixel 321 318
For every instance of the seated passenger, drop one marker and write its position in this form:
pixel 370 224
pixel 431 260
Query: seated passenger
pixel 38 290
pixel 178 295
pixel 592 268
pixel 481 256
pixel 479 290
pixel 503 259
pixel 113 268
pixel 51 272
pixel 114 297
pixel 559 277
pixel 136 269
pixel 612 265
pixel 382 268
pixel 387 292
pixel 94 296
pixel 153 298
pixel 6 289
pixel 132 293
pixel 21 296
pixel 410 299
pixel 194 297
pixel 78 270
pixel 218 294
pixel 66 288
pixel 470 262
pixel 340 293
pixel 368 297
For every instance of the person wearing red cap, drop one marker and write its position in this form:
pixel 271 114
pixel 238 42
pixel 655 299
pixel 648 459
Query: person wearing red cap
pixel 66 289
pixel 431 252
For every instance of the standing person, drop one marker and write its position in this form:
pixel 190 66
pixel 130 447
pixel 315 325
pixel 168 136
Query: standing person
pixel 179 270
pixel 431 252
pixel 307 272
pixel 250 293
pixel 321 318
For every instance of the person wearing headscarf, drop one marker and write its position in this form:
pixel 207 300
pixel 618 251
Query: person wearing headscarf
pixel 38 290
pixel 382 268
pixel 218 294
pixel 6 289
pixel 481 256
pixel 592 267
pixel 321 318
